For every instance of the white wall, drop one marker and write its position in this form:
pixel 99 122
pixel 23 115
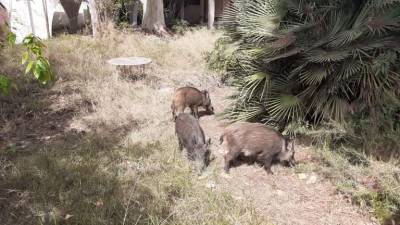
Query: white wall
pixel 28 16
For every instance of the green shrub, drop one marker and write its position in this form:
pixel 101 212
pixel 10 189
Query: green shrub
pixel 310 61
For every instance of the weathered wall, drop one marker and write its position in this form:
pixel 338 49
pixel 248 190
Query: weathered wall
pixel 3 22
pixel 29 16
pixel 193 12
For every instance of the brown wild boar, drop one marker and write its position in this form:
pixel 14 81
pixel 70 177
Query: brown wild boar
pixel 191 137
pixel 192 98
pixel 255 140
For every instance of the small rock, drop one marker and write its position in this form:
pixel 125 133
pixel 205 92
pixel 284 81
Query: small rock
pixel 312 180
pixel 47 138
pixel 225 175
pixel 211 184
pixel 68 216
pixel 280 192
pixel 99 204
pixel 302 176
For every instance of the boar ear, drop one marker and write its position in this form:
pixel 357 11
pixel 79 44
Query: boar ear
pixel 208 141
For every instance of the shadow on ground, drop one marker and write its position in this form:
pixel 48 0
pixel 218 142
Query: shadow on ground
pixel 75 179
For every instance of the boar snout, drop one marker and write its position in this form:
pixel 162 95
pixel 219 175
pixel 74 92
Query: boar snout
pixel 210 109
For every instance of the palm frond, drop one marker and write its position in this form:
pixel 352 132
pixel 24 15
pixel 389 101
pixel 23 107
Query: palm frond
pixel 314 75
pixel 310 60
pixel 284 107
pixel 324 56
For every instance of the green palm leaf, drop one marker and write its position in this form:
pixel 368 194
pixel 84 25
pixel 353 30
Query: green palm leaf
pixel 310 60
pixel 314 75
pixel 324 56
pixel 284 107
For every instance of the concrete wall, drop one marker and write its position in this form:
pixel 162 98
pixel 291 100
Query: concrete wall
pixel 28 16
pixel 61 21
pixel 193 15
pixel 3 22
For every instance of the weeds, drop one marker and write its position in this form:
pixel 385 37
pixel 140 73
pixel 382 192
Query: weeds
pixel 372 185
pixel 104 153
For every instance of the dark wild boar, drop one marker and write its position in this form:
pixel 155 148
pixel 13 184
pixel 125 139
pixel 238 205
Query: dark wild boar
pixel 191 137
pixel 256 141
pixel 192 98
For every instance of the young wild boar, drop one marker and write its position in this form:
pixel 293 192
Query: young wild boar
pixel 192 98
pixel 191 137
pixel 255 140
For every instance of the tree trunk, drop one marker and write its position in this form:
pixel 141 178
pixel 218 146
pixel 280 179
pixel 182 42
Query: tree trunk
pixel 153 17
pixel 201 11
pixel 94 18
pixel 71 8
pixel 182 10
pixel 134 13
pixel 211 13
pixel 144 5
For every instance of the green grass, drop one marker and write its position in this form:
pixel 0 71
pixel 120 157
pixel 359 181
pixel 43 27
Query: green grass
pixel 93 180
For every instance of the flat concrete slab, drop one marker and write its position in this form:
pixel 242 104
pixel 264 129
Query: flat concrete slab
pixel 130 67
pixel 129 61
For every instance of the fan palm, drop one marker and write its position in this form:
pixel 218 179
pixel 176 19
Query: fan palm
pixel 308 60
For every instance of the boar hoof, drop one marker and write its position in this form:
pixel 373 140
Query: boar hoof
pixel 269 171
pixel 226 169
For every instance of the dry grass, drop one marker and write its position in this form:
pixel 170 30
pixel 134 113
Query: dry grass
pixel 96 149
pixel 373 185
pixel 175 61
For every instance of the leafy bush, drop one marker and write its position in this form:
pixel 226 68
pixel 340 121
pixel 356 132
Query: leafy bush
pixel 34 60
pixel 180 26
pixel 312 61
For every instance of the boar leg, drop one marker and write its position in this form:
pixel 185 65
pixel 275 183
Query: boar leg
pixel 267 165
pixel 230 157
pixel 173 116
pixel 195 111
pixel 180 144
pixel 191 155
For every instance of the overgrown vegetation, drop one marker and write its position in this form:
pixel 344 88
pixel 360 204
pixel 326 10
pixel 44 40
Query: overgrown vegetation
pixel 33 58
pixel 96 149
pixel 304 61
pixel 90 180
pixel 326 69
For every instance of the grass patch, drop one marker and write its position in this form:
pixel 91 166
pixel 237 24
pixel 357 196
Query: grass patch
pixel 95 149
pixel 93 180
pixel 373 185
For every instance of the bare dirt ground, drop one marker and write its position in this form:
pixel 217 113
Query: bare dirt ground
pixel 286 197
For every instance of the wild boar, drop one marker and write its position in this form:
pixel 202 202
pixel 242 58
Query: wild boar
pixel 191 137
pixel 257 141
pixel 192 98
